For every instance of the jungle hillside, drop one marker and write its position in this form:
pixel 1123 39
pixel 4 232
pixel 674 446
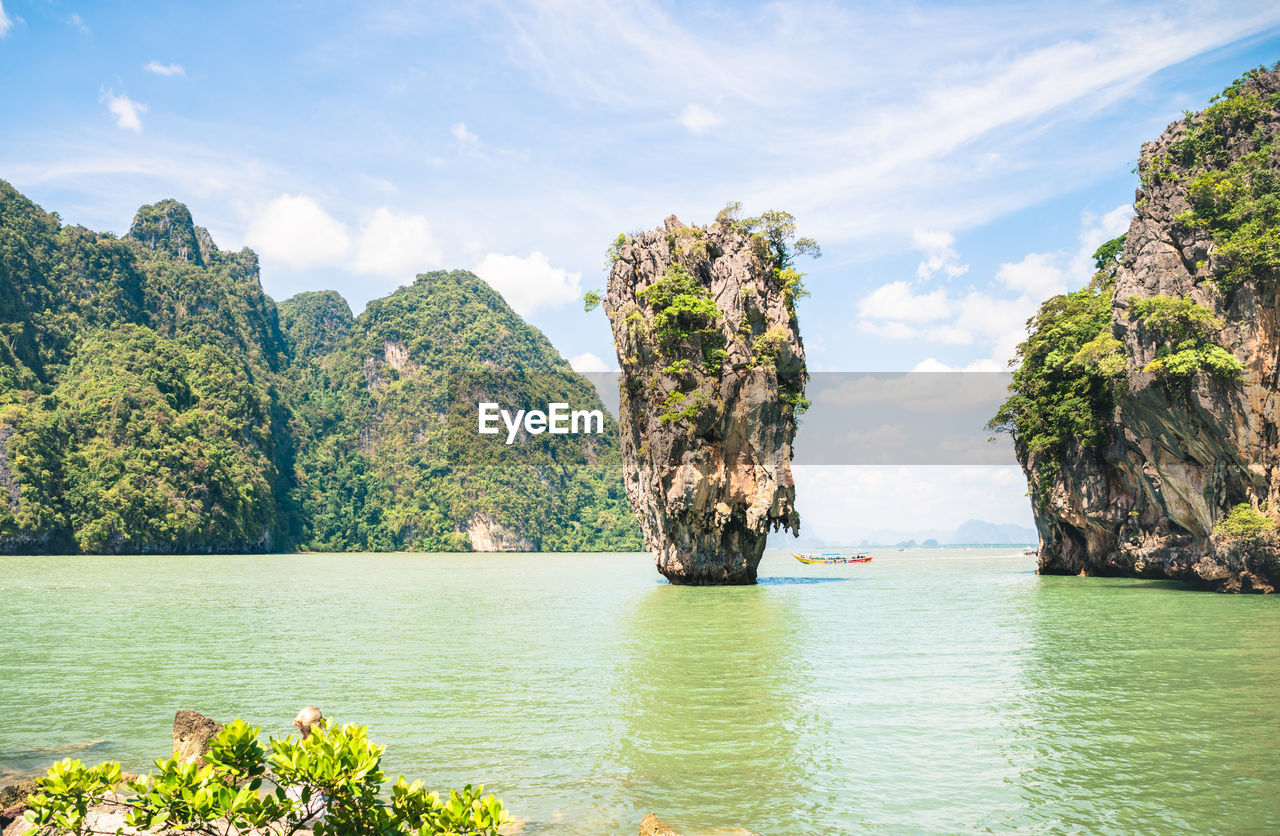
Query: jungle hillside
pixel 154 400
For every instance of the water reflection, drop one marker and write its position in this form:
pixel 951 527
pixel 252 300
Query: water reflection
pixel 798 581
pixel 1168 702
pixel 710 707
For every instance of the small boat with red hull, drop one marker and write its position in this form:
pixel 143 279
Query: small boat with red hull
pixel 834 557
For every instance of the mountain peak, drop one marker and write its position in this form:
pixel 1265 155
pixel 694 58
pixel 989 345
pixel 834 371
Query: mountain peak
pixel 167 226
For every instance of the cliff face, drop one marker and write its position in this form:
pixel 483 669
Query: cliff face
pixel 1187 434
pixel 712 372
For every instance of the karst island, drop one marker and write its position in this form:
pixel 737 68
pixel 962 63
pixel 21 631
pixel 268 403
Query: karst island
pixel 713 377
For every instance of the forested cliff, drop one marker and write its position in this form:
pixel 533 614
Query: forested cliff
pixel 1145 406
pixel 153 399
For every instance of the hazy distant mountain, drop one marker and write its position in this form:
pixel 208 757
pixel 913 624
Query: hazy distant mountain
pixel 969 533
pixel 977 531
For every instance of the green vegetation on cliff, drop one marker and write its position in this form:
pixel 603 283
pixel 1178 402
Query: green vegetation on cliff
pixel 152 399
pixel 1226 158
pixel 395 461
pixel 1062 387
pixel 1187 333
pixel 144 445
pixel 138 402
pixel 1071 368
pixel 1244 522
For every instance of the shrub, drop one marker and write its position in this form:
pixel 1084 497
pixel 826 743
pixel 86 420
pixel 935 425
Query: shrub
pixel 1187 330
pixel 765 348
pixel 338 764
pixel 684 312
pixel 1108 254
pixel 1232 184
pixel 777 241
pixel 1057 393
pixel 615 250
pixel 1243 522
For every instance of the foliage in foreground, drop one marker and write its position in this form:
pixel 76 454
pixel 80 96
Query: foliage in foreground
pixel 336 768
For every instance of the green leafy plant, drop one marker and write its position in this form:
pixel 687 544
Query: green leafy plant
pixel 681 407
pixel 1244 522
pixel 776 233
pixel 1061 390
pixel 1108 255
pixel 1231 182
pixel 685 317
pixel 615 251
pixel 765 348
pixel 1187 330
pixel 330 781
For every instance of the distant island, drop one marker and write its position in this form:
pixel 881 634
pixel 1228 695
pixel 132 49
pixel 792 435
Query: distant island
pixel 153 399
pixel 968 533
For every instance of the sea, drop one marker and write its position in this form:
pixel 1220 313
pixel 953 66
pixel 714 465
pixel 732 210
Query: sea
pixel 931 691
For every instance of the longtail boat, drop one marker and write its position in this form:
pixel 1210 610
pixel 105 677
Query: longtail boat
pixel 833 557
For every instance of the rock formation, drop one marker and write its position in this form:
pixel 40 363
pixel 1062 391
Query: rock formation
pixel 192 732
pixel 1185 369
pixel 651 825
pixel 713 373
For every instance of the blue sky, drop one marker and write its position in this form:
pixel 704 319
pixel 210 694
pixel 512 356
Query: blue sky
pixel 957 162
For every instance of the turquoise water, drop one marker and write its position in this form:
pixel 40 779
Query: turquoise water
pixel 932 691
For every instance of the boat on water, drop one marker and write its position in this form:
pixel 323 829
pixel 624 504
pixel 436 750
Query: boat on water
pixel 834 557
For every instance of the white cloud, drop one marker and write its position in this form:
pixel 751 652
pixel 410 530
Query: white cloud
pixel 988 318
pixel 697 119
pixel 931 364
pixel 126 111
pixel 1096 230
pixel 883 436
pixel 298 232
pixel 888 330
pixel 398 246
pixel 842 503
pixel 983 364
pixel 895 301
pixel 5 22
pixel 929 394
pixel 462 135
pixel 78 22
pixel 939 253
pixel 1035 275
pixel 971 94
pixel 529 283
pixel 588 362
pixel 165 69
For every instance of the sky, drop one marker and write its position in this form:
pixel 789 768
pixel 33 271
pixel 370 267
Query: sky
pixel 958 162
